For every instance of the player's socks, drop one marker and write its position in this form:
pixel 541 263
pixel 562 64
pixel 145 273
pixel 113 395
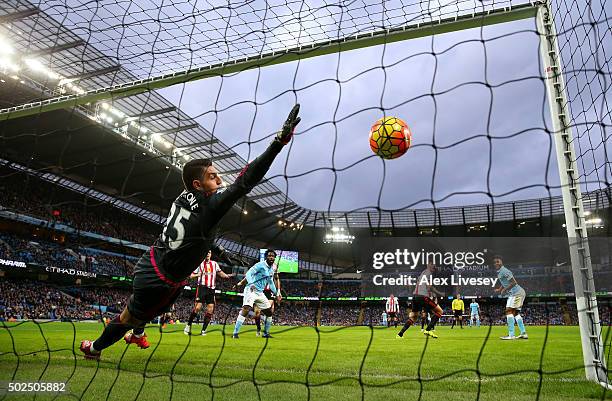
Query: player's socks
pixel 395 324
pixel 192 317
pixel 477 322
pixel 113 332
pixel 422 324
pixel 258 322
pixel 510 319
pixel 520 324
pixel 138 331
pixel 432 322
pixel 207 317
pixel 267 325
pixel 453 325
pixel 407 325
pixel 461 323
pixel 239 322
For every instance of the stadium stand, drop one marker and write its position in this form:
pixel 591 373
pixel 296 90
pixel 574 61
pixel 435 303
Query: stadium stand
pixel 61 300
pixel 29 299
pixel 61 206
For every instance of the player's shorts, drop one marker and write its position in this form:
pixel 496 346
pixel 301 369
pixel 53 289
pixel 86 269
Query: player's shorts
pixel 205 295
pixel 153 293
pixel 269 294
pixel 391 315
pixel 421 303
pixel 252 297
pixel 457 313
pixel 516 301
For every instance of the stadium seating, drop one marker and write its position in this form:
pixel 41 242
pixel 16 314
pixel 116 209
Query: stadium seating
pixel 27 299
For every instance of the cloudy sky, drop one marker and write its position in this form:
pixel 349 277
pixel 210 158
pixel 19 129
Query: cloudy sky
pixel 474 99
pixel 330 165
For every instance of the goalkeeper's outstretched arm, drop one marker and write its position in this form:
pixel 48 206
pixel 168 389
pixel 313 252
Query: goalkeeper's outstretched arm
pixel 253 172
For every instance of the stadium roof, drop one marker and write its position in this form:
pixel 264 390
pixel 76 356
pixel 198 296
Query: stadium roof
pixel 63 62
pixel 130 147
pixel 161 133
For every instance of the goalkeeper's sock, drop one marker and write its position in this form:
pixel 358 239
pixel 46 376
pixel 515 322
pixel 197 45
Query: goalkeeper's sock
pixel 192 317
pixel 113 332
pixel 267 324
pixel 432 322
pixel 139 331
pixel 510 319
pixel 453 325
pixel 207 317
pixel 520 324
pixel 407 325
pixel 461 323
pixel 239 322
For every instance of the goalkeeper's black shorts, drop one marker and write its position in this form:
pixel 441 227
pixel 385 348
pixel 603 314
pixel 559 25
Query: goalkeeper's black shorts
pixel 153 292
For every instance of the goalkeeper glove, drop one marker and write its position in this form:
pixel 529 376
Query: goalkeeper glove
pixel 285 135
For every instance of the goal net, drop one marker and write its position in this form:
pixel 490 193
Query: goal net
pixel 103 103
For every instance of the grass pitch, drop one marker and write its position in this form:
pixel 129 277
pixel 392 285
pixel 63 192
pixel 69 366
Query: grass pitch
pixel 300 363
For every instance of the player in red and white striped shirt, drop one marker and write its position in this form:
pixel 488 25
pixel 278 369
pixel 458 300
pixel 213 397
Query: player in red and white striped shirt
pixel 392 308
pixel 206 274
pixel 422 299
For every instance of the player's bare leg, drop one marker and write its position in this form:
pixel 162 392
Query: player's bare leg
pixel 197 308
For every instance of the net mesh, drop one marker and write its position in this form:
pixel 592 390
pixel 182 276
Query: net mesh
pixel 475 100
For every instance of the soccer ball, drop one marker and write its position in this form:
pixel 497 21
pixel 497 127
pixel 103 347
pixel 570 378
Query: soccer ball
pixel 390 137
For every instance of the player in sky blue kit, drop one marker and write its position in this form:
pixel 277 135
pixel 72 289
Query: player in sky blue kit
pixel 257 278
pixel 474 313
pixel 516 297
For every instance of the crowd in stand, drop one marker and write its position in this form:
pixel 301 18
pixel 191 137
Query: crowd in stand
pixel 26 299
pixel 341 289
pixel 46 253
pixel 38 198
pixel 339 315
pixel 38 300
pixel 301 288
